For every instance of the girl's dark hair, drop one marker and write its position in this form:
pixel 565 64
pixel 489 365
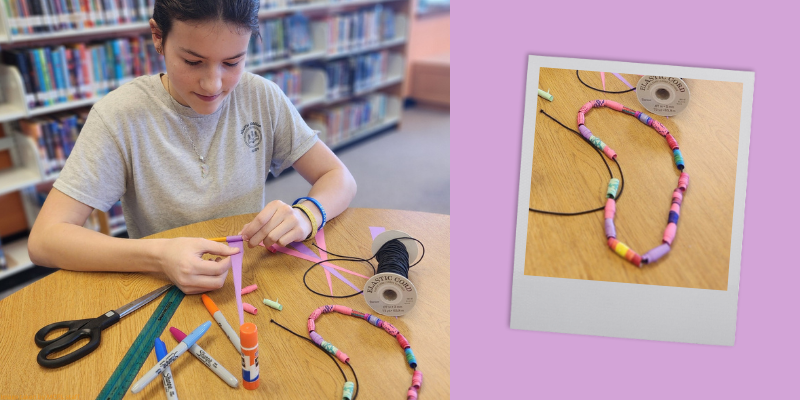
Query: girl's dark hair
pixel 242 13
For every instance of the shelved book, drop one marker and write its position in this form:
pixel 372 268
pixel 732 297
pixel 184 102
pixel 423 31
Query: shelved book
pixel 64 73
pixel 35 197
pixel 31 17
pixel 54 136
pixel 289 82
pixel 363 28
pixel 344 121
pixel 351 75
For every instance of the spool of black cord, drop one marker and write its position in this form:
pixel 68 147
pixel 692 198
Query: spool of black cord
pixel 389 291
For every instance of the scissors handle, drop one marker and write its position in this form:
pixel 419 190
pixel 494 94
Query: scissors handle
pixel 77 330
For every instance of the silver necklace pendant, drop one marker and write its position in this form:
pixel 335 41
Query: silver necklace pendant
pixel 204 169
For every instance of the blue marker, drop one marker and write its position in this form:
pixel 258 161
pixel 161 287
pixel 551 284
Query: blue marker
pixel 166 377
pixel 181 348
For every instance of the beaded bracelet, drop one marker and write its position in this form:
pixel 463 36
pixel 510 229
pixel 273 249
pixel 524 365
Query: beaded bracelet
pixel 416 379
pixel 611 193
pixel 311 218
pixel 316 203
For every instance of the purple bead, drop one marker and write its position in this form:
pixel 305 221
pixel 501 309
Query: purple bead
pixel 316 338
pixel 656 253
pixel 611 232
pixel 585 131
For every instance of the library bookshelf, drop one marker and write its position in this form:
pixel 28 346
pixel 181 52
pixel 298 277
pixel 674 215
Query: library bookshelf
pixel 311 82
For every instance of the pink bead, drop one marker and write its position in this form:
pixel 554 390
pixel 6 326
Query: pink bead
pixel 412 394
pixel 342 357
pixel 311 325
pixel 611 208
pixel 586 107
pixel 390 329
pixel 676 194
pixel 416 379
pixel 675 207
pixel 249 289
pixel 610 153
pixel 673 144
pixel 314 315
pixel 661 129
pixel 402 340
pixel 581 118
pixel 683 181
pixel 343 310
pixel 249 308
pixel 613 105
pixel 669 233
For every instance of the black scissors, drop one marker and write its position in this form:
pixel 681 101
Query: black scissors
pixel 84 328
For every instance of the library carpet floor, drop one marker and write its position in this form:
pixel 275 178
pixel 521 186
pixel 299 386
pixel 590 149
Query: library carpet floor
pixel 401 169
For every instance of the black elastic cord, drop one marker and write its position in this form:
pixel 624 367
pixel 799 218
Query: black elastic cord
pixel 355 394
pixel 622 177
pixel 382 250
pixel 600 90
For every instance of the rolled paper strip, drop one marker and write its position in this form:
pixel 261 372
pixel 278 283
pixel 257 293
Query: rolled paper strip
pixel 330 348
pixel 673 144
pixel 231 239
pixel 314 315
pixel 342 357
pixel 678 157
pixel 416 379
pixel 613 105
pixel 661 129
pixel 585 132
pixel 611 208
pixel 249 289
pixel 249 308
pixel 596 142
pixel 628 111
pixel 656 253
pixel 610 153
pixel 673 217
pixel 669 233
pixel 645 119
pixel 347 392
pixel 273 304
pixel 310 325
pixel 610 229
pixel 545 95
pixel 373 320
pixel 598 103
pixel 316 338
pixel 402 340
pixel 675 207
pixel 343 310
pixel 412 361
pixel 390 329
pixel 412 394
pixel 613 186
pixel 581 118
pixel 586 107
pixel 683 181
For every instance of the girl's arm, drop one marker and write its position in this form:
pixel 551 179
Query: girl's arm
pixel 59 240
pixel 331 184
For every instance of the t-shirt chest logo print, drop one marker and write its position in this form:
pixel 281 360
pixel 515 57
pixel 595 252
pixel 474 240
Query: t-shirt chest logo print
pixel 251 134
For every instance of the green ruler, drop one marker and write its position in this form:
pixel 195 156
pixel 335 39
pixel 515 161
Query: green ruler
pixel 126 371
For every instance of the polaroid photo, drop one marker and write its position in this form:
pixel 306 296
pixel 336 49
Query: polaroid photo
pixel 631 200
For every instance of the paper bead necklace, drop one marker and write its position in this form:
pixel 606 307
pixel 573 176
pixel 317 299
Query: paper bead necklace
pixel 610 209
pixel 416 379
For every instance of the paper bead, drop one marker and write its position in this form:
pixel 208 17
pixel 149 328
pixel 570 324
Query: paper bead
pixel 661 129
pixel 581 118
pixel 249 289
pixel 316 337
pixel 683 181
pixel 678 157
pixel 412 361
pixel 390 329
pixel 598 103
pixel 673 218
pixel 645 119
pixel 586 107
pixel 416 379
pixel 347 392
pixel 249 308
pixel 624 251
pixel 402 340
pixel 610 153
pixel 613 186
pixel 656 253
pixel 673 144
pixel 585 132
pixel 342 357
pixel 611 208
pixel 330 348
pixel 669 233
pixel 676 208
pixel 611 232
pixel 613 105
pixel 628 111
pixel 310 325
pixel 273 304
pixel 343 310
pixel 412 394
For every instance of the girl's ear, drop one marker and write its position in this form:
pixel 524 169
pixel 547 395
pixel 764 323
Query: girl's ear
pixel 157 36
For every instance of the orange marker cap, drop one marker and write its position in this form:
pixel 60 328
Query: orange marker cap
pixel 210 306
pixel 248 334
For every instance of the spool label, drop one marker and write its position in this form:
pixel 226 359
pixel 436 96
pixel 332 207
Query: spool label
pixel 390 294
pixel 663 95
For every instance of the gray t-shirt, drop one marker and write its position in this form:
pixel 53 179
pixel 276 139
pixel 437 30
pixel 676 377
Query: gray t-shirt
pixel 136 147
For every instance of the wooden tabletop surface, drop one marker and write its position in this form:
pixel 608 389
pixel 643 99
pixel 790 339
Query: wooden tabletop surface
pixel 568 176
pixel 291 368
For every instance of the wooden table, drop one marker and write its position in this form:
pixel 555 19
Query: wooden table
pixel 569 176
pixel 291 368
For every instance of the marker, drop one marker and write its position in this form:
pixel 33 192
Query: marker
pixel 223 323
pixel 166 377
pixel 172 356
pixel 206 359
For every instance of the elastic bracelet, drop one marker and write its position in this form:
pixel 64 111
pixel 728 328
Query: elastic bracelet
pixel 310 216
pixel 316 203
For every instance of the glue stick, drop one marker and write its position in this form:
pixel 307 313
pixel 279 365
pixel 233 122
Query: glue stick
pixel 248 333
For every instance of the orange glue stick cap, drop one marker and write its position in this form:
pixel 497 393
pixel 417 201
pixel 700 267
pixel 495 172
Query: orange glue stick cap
pixel 210 306
pixel 248 333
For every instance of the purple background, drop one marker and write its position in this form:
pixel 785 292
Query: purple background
pixel 491 41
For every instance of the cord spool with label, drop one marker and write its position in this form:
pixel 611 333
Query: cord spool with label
pixel 663 95
pixel 392 293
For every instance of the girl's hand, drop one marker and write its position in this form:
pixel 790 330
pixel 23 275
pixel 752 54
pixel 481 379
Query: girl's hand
pixel 182 262
pixel 278 223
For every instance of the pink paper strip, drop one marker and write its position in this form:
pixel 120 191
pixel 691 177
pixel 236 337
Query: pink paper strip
pixel 320 238
pixel 299 246
pixel 236 263
pixel 603 78
pixel 375 231
pixel 623 80
pixel 327 266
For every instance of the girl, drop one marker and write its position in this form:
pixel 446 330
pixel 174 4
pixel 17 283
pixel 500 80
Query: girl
pixel 190 145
